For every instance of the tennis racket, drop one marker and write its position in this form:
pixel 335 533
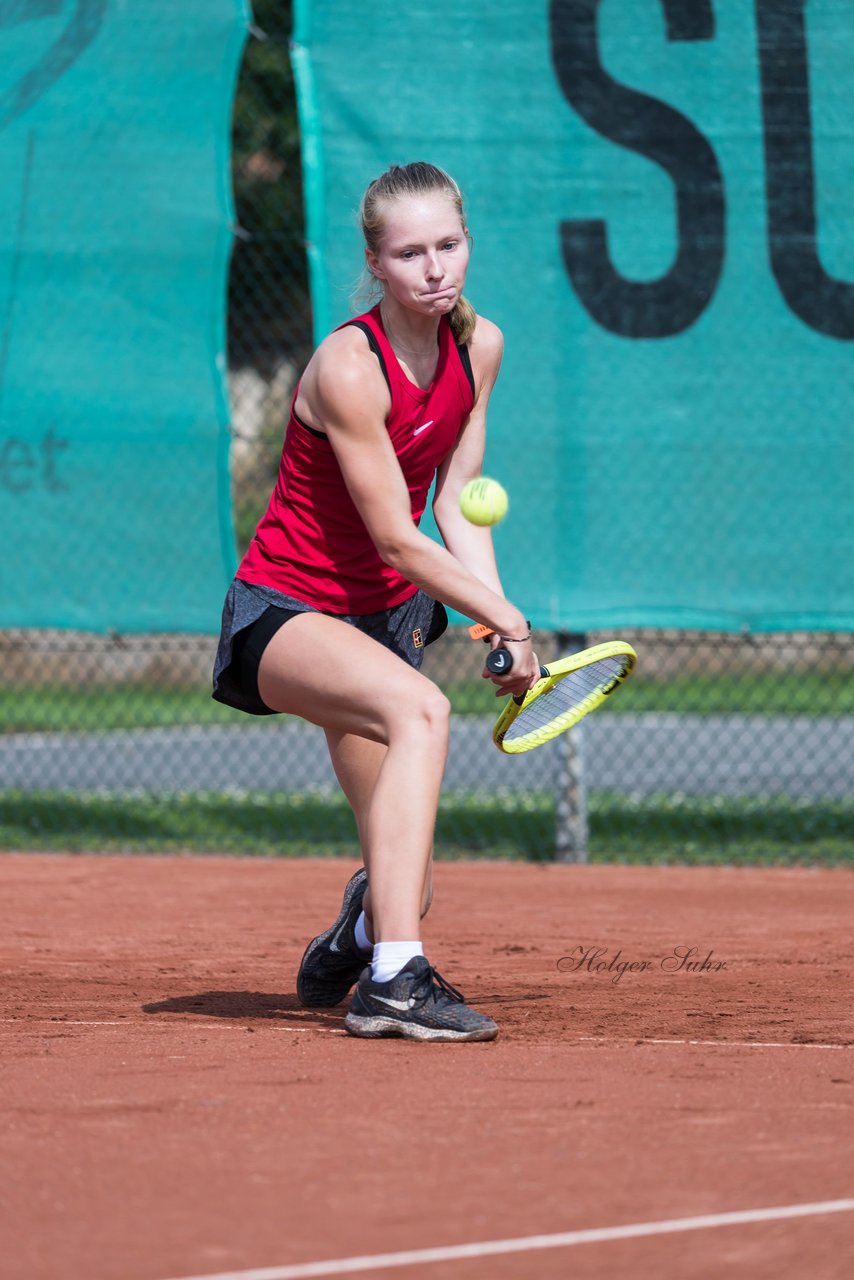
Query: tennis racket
pixel 569 689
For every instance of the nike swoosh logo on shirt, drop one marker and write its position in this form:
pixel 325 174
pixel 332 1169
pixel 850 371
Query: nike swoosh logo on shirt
pixel 423 427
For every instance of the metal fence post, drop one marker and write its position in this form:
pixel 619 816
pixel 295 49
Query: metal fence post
pixel 571 809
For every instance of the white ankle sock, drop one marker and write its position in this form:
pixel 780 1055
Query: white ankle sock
pixel 360 933
pixel 390 958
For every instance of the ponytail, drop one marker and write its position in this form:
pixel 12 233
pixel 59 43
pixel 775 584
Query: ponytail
pixel 463 319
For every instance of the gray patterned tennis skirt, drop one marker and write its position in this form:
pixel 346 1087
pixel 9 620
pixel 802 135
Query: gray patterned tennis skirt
pixel 252 614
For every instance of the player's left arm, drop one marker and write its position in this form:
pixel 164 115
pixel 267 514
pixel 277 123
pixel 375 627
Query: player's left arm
pixel 471 544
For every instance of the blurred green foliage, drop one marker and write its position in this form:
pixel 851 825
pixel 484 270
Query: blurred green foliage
pixel 269 307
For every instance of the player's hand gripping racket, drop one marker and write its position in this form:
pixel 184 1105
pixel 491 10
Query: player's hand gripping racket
pixel 569 689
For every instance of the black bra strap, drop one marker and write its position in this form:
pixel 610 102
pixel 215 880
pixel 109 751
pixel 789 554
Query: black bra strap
pixel 374 345
pixel 465 360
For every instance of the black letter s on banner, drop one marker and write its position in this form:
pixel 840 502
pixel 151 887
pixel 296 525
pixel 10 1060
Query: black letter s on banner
pixel 663 307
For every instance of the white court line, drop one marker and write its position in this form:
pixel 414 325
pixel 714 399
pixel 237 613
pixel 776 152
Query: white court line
pixel 82 1022
pixel 581 1040
pixel 757 1044
pixel 67 1022
pixel 131 1022
pixel 718 1044
pixel 524 1244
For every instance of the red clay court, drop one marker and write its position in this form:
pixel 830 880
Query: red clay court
pixel 170 1111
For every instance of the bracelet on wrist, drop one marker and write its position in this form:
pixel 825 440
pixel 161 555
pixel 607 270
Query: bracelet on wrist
pixel 518 639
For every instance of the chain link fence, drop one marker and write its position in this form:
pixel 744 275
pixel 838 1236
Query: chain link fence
pixel 721 748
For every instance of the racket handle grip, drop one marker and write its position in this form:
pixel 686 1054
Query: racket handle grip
pixel 499 662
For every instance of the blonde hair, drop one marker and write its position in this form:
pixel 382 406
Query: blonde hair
pixel 416 179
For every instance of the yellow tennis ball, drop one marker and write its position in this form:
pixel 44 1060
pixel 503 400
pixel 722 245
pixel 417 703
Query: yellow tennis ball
pixel 484 501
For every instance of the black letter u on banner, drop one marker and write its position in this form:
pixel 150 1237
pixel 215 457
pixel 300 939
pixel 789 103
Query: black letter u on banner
pixel 663 307
pixel 823 303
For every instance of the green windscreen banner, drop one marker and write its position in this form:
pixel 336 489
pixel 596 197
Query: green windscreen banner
pixel 115 216
pixel 661 199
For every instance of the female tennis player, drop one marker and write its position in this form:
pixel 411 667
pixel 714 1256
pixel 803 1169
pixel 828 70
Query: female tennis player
pixel 339 591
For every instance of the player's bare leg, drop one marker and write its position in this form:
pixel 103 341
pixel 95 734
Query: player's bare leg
pixel 329 673
pixel 357 763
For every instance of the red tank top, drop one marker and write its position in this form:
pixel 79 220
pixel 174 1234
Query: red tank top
pixel 312 543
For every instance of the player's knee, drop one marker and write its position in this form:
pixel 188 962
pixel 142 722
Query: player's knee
pixel 424 714
pixel 435 712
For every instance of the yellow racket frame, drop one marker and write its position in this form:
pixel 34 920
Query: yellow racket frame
pixel 554 673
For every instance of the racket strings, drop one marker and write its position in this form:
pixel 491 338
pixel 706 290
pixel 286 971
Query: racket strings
pixel 568 694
